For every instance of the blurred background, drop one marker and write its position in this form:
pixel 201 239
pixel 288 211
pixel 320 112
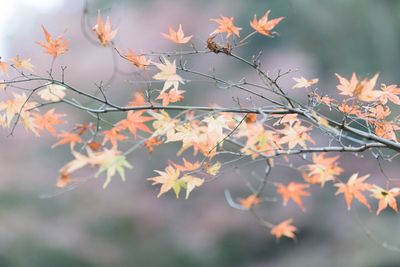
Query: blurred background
pixel 126 225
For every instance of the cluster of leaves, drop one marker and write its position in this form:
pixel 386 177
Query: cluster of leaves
pixel 210 133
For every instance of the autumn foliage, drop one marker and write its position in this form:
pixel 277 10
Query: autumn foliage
pixel 212 137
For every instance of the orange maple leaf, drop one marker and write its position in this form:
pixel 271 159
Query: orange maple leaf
pixel 362 90
pixel 4 67
pixel 285 118
pixel 187 165
pixel 284 228
pixel 94 146
pixel 139 61
pixel 103 31
pixel 113 135
pixel 295 134
pixel 225 25
pixel 351 110
pixel 385 197
pixel 263 25
pixel 389 92
pixel 250 201
pixel 48 121
pixel 294 191
pixel 324 169
pixel 135 121
pixel 54 47
pixel 82 128
pixel 177 36
pixel 379 112
pixel 174 95
pixel 137 100
pixel 354 188
pixel 151 143
pixel 251 118
pixel 68 138
pixel 386 130
pixel 64 180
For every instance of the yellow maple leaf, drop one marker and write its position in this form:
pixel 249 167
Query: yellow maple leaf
pixel 190 183
pixel 22 63
pixel 52 92
pixel 168 180
pixel 303 82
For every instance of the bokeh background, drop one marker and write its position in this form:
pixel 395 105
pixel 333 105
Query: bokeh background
pixel 126 225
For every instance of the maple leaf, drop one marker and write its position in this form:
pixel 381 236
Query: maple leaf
pixel 351 110
pixel 251 118
pixel 82 128
pixel 323 99
pixel 177 36
pixel 77 163
pixel 258 140
pixel 187 165
pixel 354 188
pixel 137 100
pixel 151 143
pixel 386 130
pixel 362 90
pixel 111 163
pixel 303 82
pixel 379 112
pixel 29 122
pixel 168 180
pixel 52 92
pixel 294 191
pixel 163 124
pixel 48 121
pixel 168 74
pixel 190 183
pixel 113 135
pixel 94 146
pixel 324 169
pixel 139 61
pixel 285 118
pixel 385 197
pixel 134 121
pixel 213 169
pixel 3 85
pixel 186 133
pixel 64 179
pixel 4 67
pixel 54 47
pixel 216 126
pixel 22 63
pixel 250 201
pixel 17 105
pixel 225 25
pixel 265 26
pixel 103 30
pixel 3 120
pixel 67 138
pixel 174 95
pixel 295 134
pixel 389 92
pixel 284 228
pixel 21 106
